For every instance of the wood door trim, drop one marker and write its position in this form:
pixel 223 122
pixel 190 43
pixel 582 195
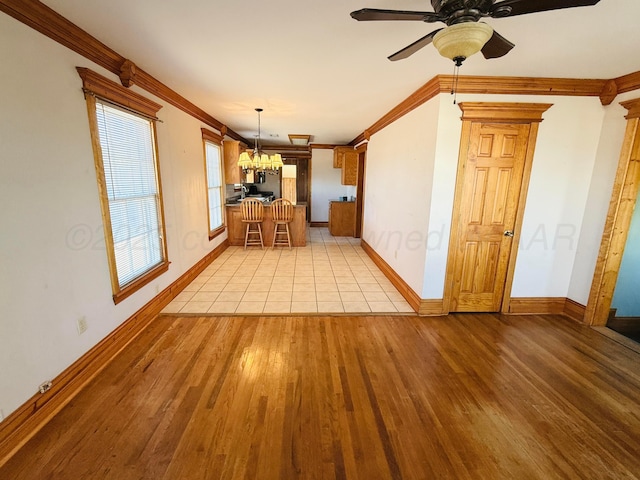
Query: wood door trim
pixel 531 112
pixel 362 165
pixel 621 205
pixel 517 228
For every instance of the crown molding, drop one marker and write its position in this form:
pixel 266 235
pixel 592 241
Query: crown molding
pixel 47 21
pixel 323 146
pixel 606 90
pixel 628 83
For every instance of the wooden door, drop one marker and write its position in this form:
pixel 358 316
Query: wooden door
pixel 490 191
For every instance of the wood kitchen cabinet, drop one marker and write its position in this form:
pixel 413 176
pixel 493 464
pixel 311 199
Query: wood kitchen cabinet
pixel 231 152
pixel 350 168
pixel 342 218
pixel 338 155
pixel 346 158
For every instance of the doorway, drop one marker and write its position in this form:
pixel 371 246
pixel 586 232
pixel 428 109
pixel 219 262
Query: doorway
pixel 494 165
pixel 619 222
pixel 362 157
pixel 303 180
pixel 624 316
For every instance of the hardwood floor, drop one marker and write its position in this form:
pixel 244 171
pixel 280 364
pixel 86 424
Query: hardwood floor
pixel 459 397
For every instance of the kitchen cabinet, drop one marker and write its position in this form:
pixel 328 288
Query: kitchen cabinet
pixel 342 218
pixel 231 152
pixel 338 155
pixel 350 168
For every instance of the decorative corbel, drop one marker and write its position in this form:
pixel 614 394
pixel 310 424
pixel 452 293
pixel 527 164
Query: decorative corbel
pixel 609 92
pixel 367 135
pixel 223 130
pixel 128 73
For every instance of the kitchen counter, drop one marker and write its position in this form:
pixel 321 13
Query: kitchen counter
pixel 297 228
pixel 342 218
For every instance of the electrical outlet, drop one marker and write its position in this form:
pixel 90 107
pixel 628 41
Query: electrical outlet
pixel 45 387
pixel 82 325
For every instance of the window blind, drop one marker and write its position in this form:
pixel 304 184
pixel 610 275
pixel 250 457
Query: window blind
pixel 214 184
pixel 128 156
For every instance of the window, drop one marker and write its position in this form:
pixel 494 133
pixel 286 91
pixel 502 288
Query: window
pixel 128 179
pixel 213 170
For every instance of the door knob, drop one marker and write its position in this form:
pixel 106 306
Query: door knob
pixel 508 233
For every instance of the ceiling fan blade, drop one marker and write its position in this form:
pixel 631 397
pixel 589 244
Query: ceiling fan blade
pixel 497 46
pixel 520 7
pixel 414 47
pixel 369 14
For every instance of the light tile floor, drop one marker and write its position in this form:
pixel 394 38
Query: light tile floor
pixel 328 275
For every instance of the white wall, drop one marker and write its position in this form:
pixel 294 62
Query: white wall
pixel 560 178
pixel 398 192
pixel 444 183
pixel 54 267
pixel 325 184
pixel 597 206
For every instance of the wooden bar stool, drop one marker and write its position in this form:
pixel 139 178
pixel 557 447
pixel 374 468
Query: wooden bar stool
pixel 252 214
pixel 282 213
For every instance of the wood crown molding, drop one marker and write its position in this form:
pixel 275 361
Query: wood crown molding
pixel 324 146
pixel 606 90
pixel 499 112
pixel 25 422
pixel 45 20
pixel 95 84
pixel 628 83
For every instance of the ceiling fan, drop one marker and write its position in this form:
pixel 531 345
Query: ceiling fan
pixel 464 34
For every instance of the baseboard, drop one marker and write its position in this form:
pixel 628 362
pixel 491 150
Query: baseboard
pixel 405 290
pixel 537 305
pixel 25 422
pixel 319 224
pixel 624 324
pixel 574 310
pixel 546 306
pixel 432 307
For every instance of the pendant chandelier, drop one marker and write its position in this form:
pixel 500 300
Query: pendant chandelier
pixel 260 161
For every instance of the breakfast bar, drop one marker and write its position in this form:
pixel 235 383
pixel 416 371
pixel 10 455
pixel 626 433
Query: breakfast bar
pixel 297 228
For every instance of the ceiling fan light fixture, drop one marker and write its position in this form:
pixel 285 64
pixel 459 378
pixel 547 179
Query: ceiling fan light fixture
pixel 461 40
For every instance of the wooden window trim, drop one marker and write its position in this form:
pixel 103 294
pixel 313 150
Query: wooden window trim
pixel 218 231
pixel 212 136
pixel 102 87
pixel 209 136
pixel 96 86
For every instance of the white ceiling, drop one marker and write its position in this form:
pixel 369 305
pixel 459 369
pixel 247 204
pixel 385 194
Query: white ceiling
pixel 317 71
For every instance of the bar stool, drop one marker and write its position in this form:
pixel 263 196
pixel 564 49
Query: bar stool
pixel 282 214
pixel 252 214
